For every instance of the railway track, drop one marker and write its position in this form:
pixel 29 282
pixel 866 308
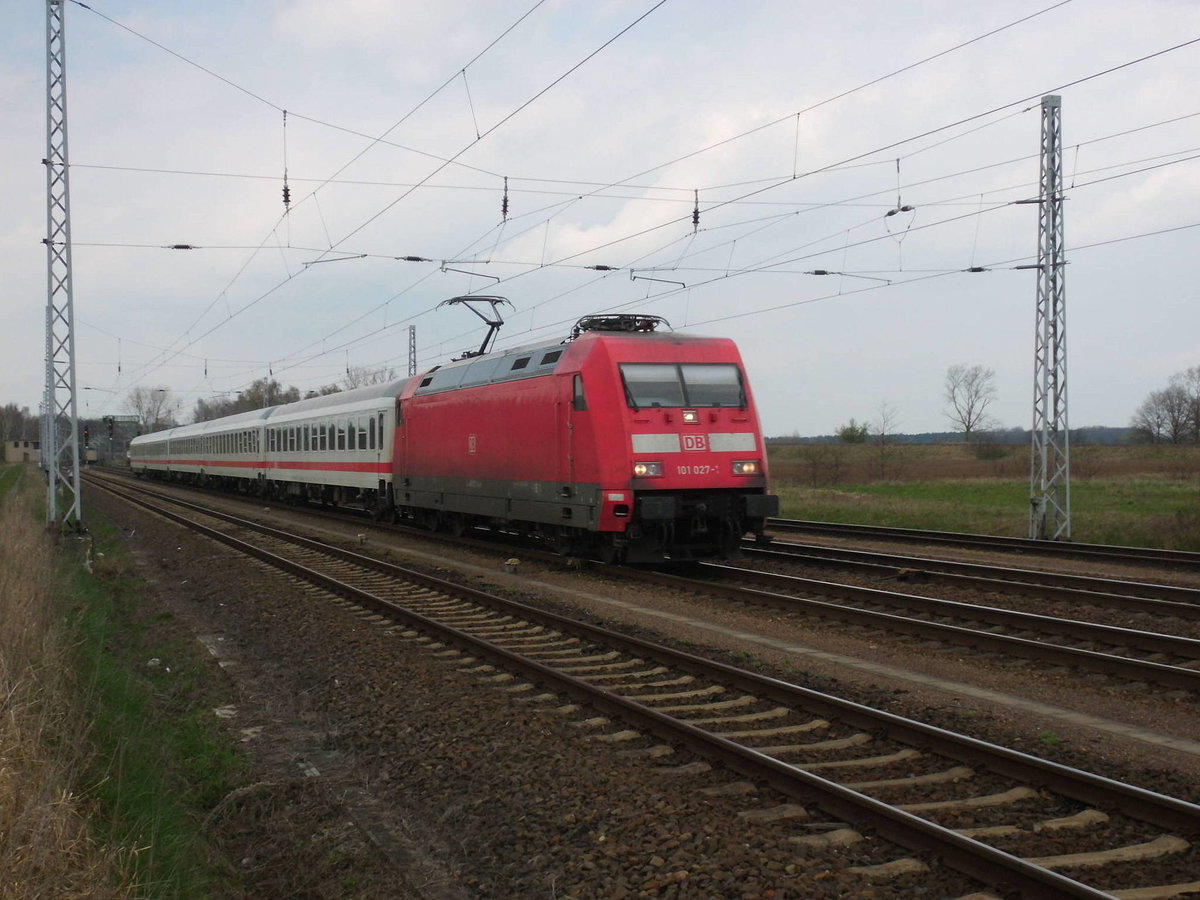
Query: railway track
pixel 1002 632
pixel 1002 817
pixel 1125 656
pixel 1105 552
pixel 1131 596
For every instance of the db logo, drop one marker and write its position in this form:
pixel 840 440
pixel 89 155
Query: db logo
pixel 470 443
pixel 695 442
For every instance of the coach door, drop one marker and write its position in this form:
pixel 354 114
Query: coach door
pixel 379 442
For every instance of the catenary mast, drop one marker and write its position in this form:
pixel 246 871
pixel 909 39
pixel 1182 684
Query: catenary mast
pixel 61 449
pixel 1050 469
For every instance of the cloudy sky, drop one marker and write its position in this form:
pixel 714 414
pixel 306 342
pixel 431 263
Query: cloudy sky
pixel 796 125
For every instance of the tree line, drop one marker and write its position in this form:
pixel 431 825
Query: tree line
pixel 17 423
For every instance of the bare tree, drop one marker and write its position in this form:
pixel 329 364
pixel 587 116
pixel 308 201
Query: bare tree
pixel 970 390
pixel 261 393
pixel 882 430
pixel 1165 416
pixel 156 407
pixel 361 376
pixel 17 423
pixel 1189 381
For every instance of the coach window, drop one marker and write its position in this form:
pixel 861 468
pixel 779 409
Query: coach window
pixel 362 432
pixel 341 434
pixel 351 434
pixel 580 400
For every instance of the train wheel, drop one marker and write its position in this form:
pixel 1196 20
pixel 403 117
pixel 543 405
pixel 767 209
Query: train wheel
pixel 610 552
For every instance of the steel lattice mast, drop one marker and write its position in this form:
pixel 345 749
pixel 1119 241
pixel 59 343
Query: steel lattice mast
pixel 1050 469
pixel 61 451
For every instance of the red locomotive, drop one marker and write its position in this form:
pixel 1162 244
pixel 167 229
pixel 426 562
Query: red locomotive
pixel 623 441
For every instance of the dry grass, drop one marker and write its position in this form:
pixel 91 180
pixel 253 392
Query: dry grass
pixel 817 465
pixel 1138 495
pixel 46 850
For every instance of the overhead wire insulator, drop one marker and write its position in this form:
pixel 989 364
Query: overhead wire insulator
pixel 504 202
pixel 696 213
pixel 287 193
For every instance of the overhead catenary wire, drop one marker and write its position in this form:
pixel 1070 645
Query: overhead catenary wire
pixel 492 44
pixel 552 262
pixel 639 197
pixel 764 267
pixel 448 80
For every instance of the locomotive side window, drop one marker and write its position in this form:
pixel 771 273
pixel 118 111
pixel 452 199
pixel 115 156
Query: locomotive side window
pixel 520 363
pixel 551 357
pixel 579 398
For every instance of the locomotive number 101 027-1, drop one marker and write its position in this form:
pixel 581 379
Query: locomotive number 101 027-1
pixel 697 470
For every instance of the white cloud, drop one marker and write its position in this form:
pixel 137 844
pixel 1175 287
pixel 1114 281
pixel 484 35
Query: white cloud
pixel 689 76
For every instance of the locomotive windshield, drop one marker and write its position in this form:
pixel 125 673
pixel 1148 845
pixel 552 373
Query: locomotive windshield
pixel 686 384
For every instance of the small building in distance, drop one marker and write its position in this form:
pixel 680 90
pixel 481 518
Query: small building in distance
pixel 21 451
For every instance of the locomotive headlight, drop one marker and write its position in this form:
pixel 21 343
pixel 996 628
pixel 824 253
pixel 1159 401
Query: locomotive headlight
pixel 746 467
pixel 690 417
pixel 647 470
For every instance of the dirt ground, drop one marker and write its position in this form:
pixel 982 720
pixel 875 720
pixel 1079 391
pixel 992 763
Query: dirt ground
pixel 379 770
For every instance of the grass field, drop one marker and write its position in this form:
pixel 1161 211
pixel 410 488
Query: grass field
pixel 1136 495
pixel 107 765
pixel 8 476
